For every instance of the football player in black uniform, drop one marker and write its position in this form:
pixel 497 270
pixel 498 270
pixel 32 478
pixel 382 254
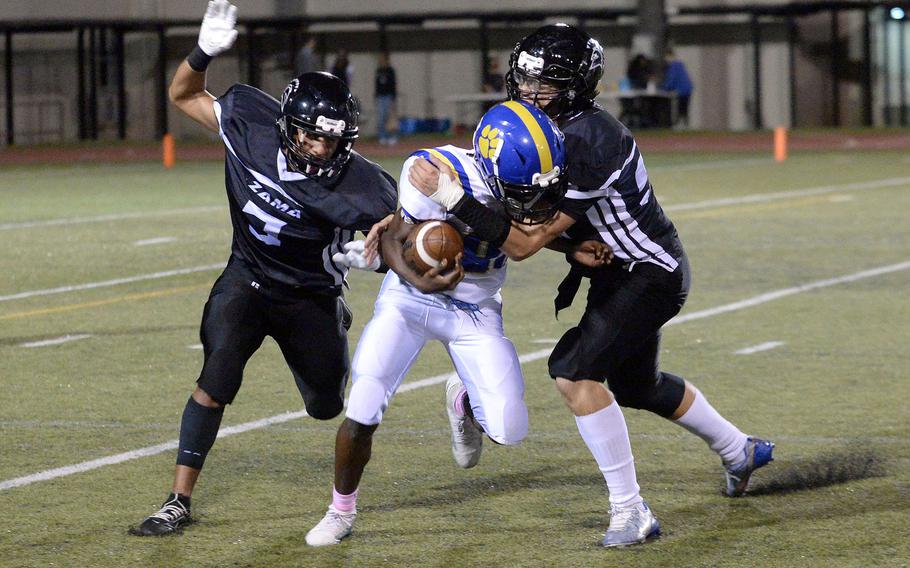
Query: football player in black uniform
pixel 297 194
pixel 610 198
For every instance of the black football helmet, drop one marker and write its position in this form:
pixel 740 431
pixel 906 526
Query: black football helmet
pixel 318 104
pixel 562 57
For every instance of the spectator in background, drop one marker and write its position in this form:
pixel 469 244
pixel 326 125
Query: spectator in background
pixel 493 80
pixel 386 93
pixel 306 60
pixel 342 68
pixel 639 72
pixel 676 80
pixel 638 75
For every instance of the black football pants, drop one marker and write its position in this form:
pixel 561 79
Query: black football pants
pixel 242 310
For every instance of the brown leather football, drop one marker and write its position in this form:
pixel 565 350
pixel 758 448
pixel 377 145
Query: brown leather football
pixel 429 243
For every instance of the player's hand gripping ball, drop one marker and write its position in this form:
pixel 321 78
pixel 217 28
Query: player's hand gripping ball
pixel 431 242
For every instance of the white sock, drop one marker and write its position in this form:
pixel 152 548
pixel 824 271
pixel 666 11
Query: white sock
pixel 724 438
pixel 606 435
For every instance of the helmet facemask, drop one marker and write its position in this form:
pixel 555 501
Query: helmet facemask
pixel 294 133
pixel 555 98
pixel 534 203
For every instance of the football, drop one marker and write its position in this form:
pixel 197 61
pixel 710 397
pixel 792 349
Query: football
pixel 429 243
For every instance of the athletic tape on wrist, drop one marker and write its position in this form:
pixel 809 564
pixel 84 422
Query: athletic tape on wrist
pixel 448 192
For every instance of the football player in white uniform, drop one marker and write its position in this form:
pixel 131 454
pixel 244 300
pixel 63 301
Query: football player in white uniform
pixel 517 167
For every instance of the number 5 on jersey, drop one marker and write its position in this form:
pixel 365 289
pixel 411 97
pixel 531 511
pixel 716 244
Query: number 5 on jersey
pixel 272 227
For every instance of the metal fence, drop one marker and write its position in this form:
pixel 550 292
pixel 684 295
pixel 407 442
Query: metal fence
pixel 92 101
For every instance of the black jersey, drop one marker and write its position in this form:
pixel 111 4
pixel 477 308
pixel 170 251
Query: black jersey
pixel 609 194
pixel 287 225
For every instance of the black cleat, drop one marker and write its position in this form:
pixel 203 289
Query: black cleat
pixel 173 514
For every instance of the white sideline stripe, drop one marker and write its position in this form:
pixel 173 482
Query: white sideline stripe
pixel 114 282
pixel 527 357
pixel 56 341
pixel 768 345
pixel 763 197
pixel 545 340
pixel 194 346
pixel 111 217
pixel 155 241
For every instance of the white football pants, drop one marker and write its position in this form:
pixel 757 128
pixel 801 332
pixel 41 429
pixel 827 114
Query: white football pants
pixel 486 361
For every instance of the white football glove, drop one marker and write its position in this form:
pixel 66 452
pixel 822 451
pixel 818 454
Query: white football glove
pixel 354 257
pixel 217 33
pixel 448 191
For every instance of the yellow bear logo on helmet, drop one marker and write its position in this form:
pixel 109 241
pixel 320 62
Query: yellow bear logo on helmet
pixel 489 141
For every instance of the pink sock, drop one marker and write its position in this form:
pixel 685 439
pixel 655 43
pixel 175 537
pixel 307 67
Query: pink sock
pixel 344 503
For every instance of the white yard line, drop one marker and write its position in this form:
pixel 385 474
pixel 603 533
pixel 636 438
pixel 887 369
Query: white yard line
pixel 56 341
pixel 778 294
pixel 768 345
pixel 155 241
pixel 112 217
pixel 114 282
pixel 413 385
pixel 775 196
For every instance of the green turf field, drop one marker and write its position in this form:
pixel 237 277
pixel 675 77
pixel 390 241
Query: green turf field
pixel 833 395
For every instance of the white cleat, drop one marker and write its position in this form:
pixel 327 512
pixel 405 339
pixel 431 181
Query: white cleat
pixel 333 527
pixel 467 436
pixel 631 525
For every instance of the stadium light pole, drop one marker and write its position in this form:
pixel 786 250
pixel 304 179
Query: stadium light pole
pixel 651 29
pixel 8 61
pixel 93 82
pixel 791 63
pixel 80 80
pixel 757 122
pixel 902 68
pixel 103 67
pixel 121 83
pixel 162 81
pixel 886 64
pixel 383 37
pixel 835 67
pixel 867 69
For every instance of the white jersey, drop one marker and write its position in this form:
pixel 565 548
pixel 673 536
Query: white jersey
pixel 467 320
pixel 485 267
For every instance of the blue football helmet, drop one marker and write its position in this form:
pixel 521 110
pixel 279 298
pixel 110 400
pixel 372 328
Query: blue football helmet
pixel 522 155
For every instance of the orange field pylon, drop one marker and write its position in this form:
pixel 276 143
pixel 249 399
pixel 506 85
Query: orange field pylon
pixel 169 154
pixel 780 144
